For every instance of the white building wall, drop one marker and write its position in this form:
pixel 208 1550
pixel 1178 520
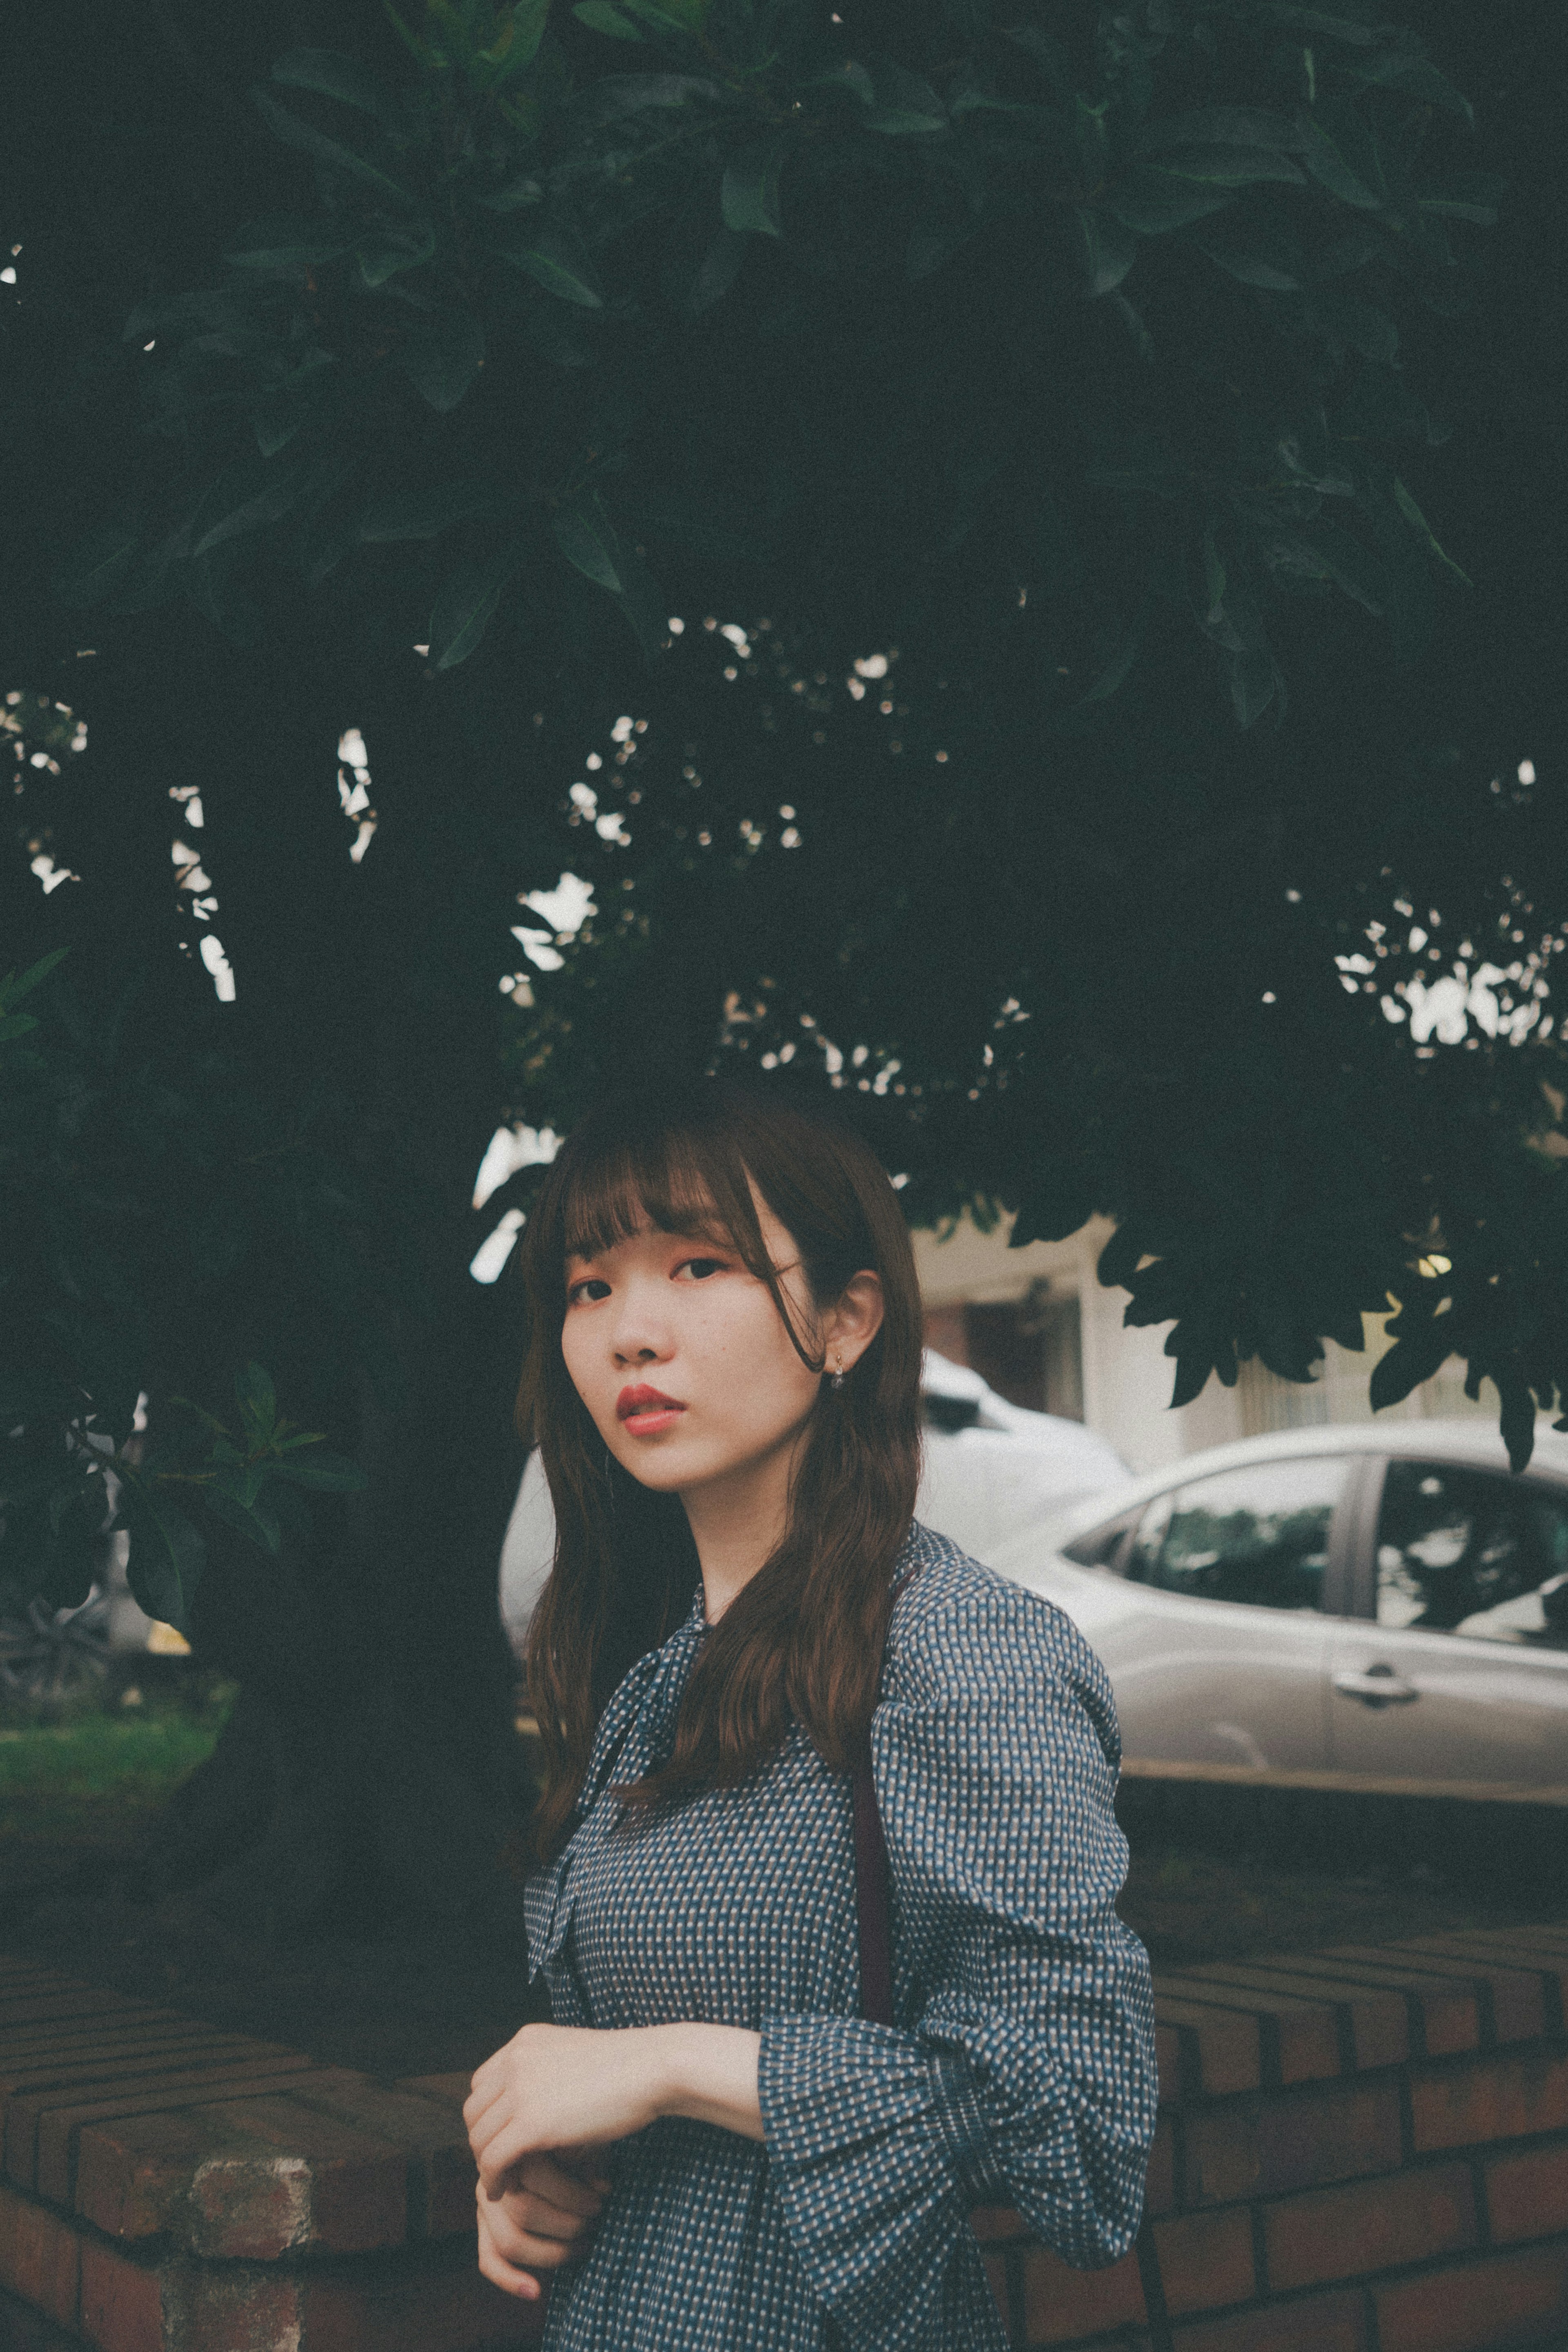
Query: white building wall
pixel 1128 1377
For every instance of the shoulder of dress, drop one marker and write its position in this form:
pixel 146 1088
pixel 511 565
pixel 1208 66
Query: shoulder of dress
pixel 955 1616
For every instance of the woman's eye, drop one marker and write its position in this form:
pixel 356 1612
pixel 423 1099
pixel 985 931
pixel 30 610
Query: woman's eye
pixel 591 1288
pixel 699 1268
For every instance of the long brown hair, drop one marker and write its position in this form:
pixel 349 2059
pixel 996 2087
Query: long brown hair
pixel 804 1638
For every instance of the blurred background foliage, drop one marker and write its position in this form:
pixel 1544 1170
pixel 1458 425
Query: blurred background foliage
pixel 1008 547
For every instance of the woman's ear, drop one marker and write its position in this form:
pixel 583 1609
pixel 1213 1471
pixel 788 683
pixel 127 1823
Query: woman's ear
pixel 856 1320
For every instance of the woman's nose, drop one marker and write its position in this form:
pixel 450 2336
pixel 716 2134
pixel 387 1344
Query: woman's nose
pixel 640 1335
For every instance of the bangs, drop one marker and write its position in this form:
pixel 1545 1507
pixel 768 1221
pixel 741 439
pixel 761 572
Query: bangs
pixel 676 1180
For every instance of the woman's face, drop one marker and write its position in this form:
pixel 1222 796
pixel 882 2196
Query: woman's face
pixel 683 1361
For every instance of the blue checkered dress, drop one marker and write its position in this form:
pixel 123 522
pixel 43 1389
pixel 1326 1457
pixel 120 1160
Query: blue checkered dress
pixel 1021 2070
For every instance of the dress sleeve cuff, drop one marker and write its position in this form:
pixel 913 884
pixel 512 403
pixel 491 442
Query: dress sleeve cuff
pixel 960 2126
pixel 877 2150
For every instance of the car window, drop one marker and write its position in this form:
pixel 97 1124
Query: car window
pixel 1099 1547
pixel 1466 1551
pixel 1259 1535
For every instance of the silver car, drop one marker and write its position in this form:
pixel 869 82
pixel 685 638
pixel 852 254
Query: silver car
pixel 1386 1605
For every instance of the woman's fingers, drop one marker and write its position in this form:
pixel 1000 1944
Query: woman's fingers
pixel 554 2187
pixel 515 2236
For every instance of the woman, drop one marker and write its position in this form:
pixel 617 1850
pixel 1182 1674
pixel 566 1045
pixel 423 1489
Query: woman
pixel 710 2146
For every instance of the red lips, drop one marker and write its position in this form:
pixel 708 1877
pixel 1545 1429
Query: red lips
pixel 643 1399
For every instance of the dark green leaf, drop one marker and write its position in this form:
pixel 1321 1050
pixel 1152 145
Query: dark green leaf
pixel 1115 670
pixel 1108 251
pixel 1408 1362
pixel 1255 683
pixel 718 273
pixel 255 1522
pixel 749 195
pixel 335 76
pixel 1465 195
pixel 326 1474
pixel 1416 77
pixel 1327 164
pixel 296 133
pixel 600 17
pixel 1232 126
pixel 515 196
pixel 1357 322
pixel 1229 167
pixel 1152 202
pixel 264 505
pixel 1418 522
pixel 285 243
pixel 1517 1420
pixel 422 514
pixel 95 564
pixel 15 985
pixel 443 357
pixel 586 537
pixel 930 249
pixel 466 605
pixel 556 261
pixel 1046 52
pixel 1251 269
pixel 257 1396
pixel 517 44
pixel 381 257
pixel 903 106
pixel 167 1555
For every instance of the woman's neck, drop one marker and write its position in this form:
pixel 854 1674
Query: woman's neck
pixel 738 1522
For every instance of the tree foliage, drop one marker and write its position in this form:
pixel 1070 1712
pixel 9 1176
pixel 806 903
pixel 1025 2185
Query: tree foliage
pixel 1089 454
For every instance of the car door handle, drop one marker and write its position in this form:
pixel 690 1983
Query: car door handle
pixel 1379 1687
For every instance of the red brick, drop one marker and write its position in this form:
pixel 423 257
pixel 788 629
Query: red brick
pixel 1444 2015
pixel 1510 1947
pixel 394 2309
pixel 109 2038
pixel 133 2174
pixel 121 2301
pixel 1205 2260
pixel 1498 2305
pixel 1221 2050
pixel 1373 2018
pixel 1060 2304
pixel 1323 2323
pixel 1346 2233
pixel 1300 2039
pixel 1526 2194
pixel 452 2090
pixel 1266 2147
pixel 996 2225
pixel 431 2132
pixel 1489 2098
pixel 50 2008
pixel 1514 1996
pixel 332 2188
pixel 231 2308
pixel 45 2134
pixel 83 2075
pixel 39 2257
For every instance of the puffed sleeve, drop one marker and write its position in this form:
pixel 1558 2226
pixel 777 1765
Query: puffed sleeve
pixel 1022 2070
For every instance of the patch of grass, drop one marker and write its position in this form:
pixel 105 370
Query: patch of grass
pixel 100 1776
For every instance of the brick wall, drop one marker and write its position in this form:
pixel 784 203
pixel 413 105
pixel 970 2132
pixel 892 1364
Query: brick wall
pixel 1360 2150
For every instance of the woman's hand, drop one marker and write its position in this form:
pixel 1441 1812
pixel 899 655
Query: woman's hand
pixel 567 2086
pixel 541 2219
pixel 560 2086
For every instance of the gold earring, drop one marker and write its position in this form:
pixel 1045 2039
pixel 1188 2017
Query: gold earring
pixel 838 1373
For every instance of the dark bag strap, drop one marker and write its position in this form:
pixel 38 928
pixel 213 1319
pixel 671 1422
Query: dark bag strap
pixel 873 1913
